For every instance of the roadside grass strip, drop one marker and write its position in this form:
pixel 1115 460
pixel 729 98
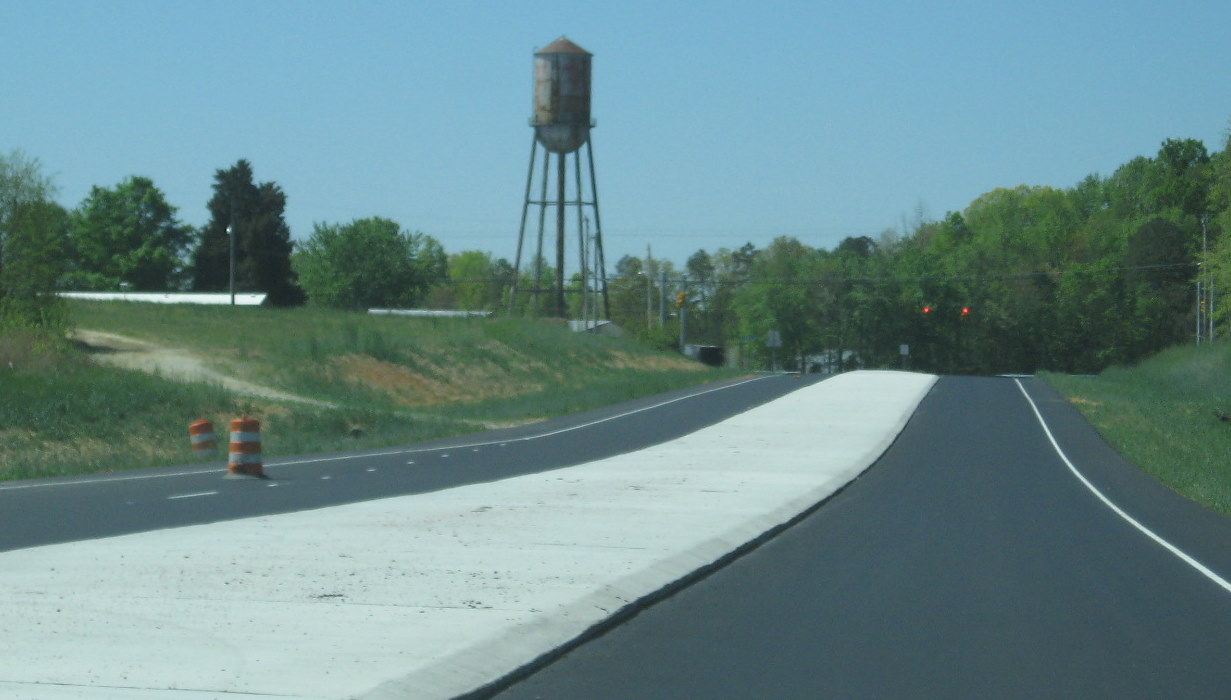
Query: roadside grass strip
pixel 1179 553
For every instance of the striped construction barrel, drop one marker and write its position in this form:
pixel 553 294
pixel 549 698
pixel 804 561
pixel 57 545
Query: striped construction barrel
pixel 201 435
pixel 245 448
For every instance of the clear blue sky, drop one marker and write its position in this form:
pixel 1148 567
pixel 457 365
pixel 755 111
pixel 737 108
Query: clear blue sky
pixel 719 123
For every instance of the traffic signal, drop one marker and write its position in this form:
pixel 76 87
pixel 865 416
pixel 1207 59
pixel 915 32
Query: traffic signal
pixel 965 311
pixel 680 299
pixel 927 311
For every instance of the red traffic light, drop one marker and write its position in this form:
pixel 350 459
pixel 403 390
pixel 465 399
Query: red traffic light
pixel 965 310
pixel 927 310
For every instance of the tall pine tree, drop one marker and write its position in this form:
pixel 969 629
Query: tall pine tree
pixel 262 239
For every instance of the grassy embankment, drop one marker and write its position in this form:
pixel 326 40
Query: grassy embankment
pixel 389 380
pixel 1164 416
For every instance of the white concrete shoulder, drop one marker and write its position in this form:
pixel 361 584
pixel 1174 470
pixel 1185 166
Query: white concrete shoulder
pixel 436 594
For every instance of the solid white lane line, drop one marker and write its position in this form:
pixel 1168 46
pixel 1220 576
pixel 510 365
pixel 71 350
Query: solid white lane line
pixel 1183 556
pixel 338 458
pixel 528 438
pixel 192 495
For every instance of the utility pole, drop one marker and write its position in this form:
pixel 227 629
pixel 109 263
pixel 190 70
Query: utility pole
pixel 1209 291
pixel 585 278
pixel 560 174
pixel 662 298
pixel 1205 292
pixel 231 241
pixel 649 309
pixel 683 313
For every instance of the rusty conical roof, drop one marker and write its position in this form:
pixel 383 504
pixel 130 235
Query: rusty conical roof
pixel 562 45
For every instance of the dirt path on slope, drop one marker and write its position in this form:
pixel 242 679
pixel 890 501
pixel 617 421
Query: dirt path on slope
pixel 173 363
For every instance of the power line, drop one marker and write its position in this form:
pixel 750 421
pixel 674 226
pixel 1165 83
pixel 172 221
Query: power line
pixel 893 278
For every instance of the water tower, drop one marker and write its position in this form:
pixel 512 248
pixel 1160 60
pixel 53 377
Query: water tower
pixel 562 126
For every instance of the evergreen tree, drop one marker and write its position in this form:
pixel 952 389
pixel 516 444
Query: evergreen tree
pixel 263 243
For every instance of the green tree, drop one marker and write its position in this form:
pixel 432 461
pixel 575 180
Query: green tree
pixel 705 321
pixel 479 281
pixel 1090 331
pixel 21 182
pixel 263 245
pixel 1128 190
pixel 732 269
pixel 1218 223
pixel 32 233
pixel 780 296
pixel 1161 265
pixel 34 262
pixel 128 234
pixel 627 292
pixel 1181 179
pixel 368 263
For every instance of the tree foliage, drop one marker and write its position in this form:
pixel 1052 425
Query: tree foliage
pixel 368 263
pixel 126 235
pixel 476 281
pixel 1024 278
pixel 32 243
pixel 263 245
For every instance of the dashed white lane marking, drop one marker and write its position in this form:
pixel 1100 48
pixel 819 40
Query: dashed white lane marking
pixel 192 495
pixel 1183 556
pixel 338 458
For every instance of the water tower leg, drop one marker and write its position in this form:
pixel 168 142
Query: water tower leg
pixel 521 231
pixel 560 179
pixel 598 233
pixel 538 258
pixel 581 241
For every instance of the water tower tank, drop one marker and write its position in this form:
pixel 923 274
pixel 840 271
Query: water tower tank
pixel 561 118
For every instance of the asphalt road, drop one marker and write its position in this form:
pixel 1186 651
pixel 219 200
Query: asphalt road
pixel 969 562
pixel 40 512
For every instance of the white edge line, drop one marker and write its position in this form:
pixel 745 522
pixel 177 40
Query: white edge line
pixel 1116 509
pixel 338 458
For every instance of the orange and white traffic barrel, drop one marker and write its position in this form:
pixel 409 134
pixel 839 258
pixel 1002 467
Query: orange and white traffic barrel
pixel 201 435
pixel 245 448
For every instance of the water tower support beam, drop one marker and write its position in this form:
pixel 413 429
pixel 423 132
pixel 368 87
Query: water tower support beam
pixel 598 232
pixel 581 235
pixel 561 174
pixel 538 258
pixel 521 231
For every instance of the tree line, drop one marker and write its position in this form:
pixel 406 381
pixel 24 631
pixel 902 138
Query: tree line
pixel 1025 278
pixel 1073 279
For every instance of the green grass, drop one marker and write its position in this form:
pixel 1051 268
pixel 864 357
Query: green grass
pixel 394 381
pixel 316 352
pixel 1163 415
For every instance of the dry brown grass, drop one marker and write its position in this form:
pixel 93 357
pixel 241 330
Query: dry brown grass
pixel 624 360
pixel 434 384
